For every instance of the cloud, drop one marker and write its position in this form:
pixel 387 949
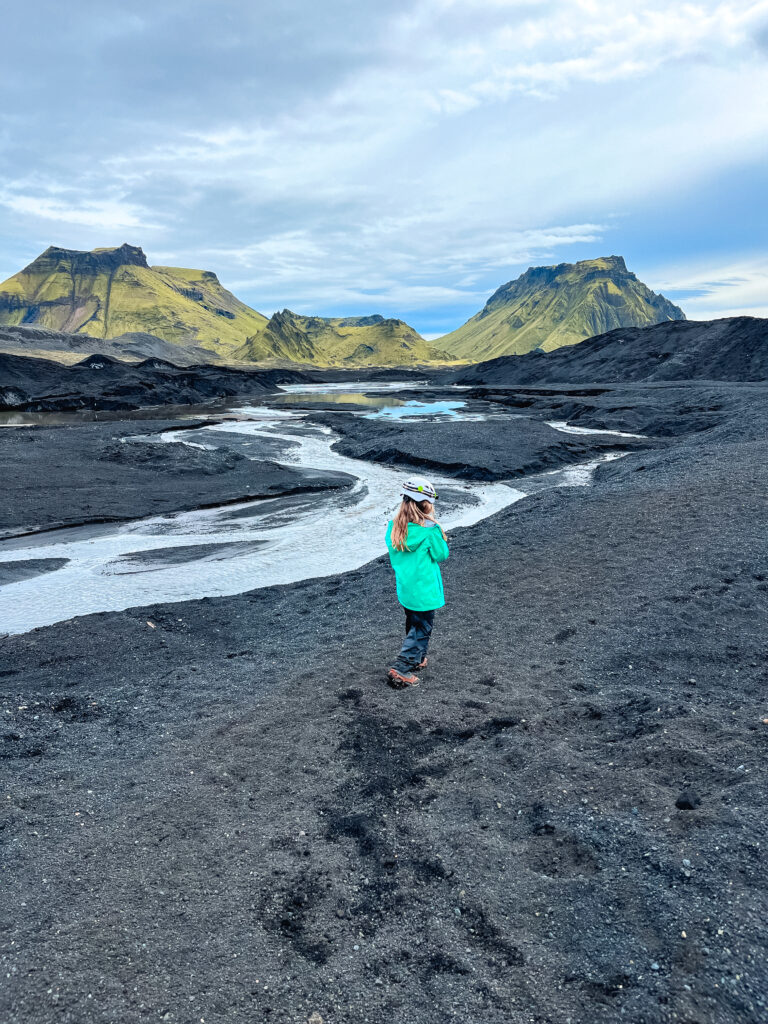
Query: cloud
pixel 104 214
pixel 733 289
pixel 349 154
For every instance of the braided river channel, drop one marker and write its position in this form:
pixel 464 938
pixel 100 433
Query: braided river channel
pixel 260 542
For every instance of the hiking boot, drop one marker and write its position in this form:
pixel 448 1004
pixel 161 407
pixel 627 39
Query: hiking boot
pixel 400 680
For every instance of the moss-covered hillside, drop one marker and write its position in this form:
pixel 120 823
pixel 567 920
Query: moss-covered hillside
pixel 340 341
pixel 548 307
pixel 109 292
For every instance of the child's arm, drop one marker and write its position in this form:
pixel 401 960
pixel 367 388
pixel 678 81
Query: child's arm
pixel 438 544
pixel 433 520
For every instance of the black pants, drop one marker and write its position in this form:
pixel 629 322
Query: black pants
pixel 418 629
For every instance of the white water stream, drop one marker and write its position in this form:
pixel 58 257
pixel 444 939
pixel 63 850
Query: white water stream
pixel 234 548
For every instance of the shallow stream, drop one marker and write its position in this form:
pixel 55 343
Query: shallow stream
pixel 236 547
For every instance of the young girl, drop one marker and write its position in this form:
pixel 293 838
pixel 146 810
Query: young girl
pixel 417 544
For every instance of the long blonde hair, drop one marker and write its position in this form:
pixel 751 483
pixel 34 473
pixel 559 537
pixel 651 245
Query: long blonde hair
pixel 410 511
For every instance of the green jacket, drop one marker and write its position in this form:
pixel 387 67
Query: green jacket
pixel 417 573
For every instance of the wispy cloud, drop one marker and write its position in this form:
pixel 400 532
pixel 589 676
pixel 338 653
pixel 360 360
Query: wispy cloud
pixel 104 214
pixel 733 289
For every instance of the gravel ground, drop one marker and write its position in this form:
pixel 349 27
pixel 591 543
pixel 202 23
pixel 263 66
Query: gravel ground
pixel 226 815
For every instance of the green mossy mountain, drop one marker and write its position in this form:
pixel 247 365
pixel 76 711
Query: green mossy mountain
pixel 107 293
pixel 340 341
pixel 548 307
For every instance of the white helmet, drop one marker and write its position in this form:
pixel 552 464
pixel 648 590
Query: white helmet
pixel 419 488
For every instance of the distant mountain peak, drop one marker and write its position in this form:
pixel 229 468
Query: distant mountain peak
pixel 551 306
pixel 341 341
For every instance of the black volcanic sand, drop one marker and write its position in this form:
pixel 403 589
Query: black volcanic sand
pixel 14 572
pixel 229 816
pixel 493 450
pixel 103 472
pixel 657 409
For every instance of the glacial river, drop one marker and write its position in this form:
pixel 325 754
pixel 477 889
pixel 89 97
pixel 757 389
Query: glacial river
pixel 258 543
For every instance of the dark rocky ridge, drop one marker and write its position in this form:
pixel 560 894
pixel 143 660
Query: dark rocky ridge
pixel 93 262
pixel 732 348
pixel 100 382
pixel 135 345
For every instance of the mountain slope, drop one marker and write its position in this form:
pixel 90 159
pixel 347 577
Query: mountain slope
pixel 733 348
pixel 41 343
pixel 548 307
pixel 109 292
pixel 340 341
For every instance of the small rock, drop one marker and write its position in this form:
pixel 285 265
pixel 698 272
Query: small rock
pixel 686 862
pixel 688 800
pixel 315 1018
pixel 654 966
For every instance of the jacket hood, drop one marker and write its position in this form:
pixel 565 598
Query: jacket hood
pixel 418 535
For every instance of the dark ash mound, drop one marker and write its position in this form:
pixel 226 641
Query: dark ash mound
pixel 496 450
pixel 731 349
pixel 99 382
pixel 173 458
pixel 660 410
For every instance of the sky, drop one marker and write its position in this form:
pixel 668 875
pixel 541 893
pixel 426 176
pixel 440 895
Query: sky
pixel 404 158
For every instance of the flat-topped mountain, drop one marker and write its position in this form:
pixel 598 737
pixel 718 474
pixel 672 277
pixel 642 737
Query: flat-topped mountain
pixel 110 292
pixel 732 348
pixel 548 307
pixel 340 341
